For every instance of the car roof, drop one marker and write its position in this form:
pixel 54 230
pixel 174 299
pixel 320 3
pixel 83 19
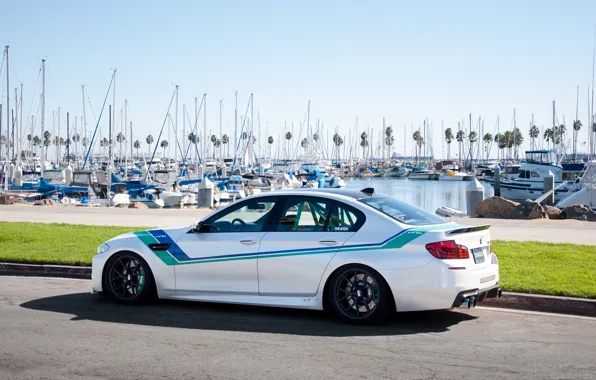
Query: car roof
pixel 350 193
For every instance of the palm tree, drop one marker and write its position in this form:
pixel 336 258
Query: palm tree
pixel 213 140
pixel 389 140
pixel 244 135
pixel 164 144
pixel 448 139
pixel 315 137
pixel 120 139
pixel 498 138
pixel 337 141
pixel 36 141
pixel 149 139
pixel 288 138
pixel 363 142
pixel 225 140
pixel 549 136
pixel 137 145
pixel 304 142
pixel 193 138
pixel 534 133
pixel 270 142
pixel 417 137
pixel 488 139
pixel 472 138
pixel 577 125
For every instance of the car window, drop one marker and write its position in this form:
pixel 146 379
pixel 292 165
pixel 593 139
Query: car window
pixel 403 212
pixel 304 214
pixel 344 218
pixel 248 216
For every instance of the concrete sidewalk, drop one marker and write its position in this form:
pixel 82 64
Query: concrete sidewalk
pixel 556 231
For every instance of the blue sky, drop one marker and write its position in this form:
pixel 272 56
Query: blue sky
pixel 402 60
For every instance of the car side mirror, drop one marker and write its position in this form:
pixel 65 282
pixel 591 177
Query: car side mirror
pixel 202 227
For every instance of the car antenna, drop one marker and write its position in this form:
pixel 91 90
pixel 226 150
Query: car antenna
pixel 368 191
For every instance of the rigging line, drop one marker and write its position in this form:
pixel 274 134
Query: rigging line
pixel 33 97
pixel 2 65
pixel 175 134
pixel 160 133
pixel 97 125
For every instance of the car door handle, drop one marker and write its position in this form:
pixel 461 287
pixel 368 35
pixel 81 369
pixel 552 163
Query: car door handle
pixel 248 241
pixel 328 242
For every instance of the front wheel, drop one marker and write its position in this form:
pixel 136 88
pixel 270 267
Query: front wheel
pixel 359 294
pixel 128 279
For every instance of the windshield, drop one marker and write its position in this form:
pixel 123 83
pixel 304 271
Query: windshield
pixel 403 212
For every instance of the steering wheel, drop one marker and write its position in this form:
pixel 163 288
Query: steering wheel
pixel 239 220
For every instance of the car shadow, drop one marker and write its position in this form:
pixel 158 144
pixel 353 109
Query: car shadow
pixel 222 317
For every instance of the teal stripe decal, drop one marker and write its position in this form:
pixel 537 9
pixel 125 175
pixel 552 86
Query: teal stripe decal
pixel 396 242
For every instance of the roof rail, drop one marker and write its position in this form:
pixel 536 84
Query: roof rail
pixel 368 191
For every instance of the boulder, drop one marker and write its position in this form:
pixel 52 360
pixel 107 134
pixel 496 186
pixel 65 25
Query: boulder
pixel 579 212
pixel 495 207
pixel 553 212
pixel 6 199
pixel 121 205
pixel 137 205
pixel 44 202
pixel 529 209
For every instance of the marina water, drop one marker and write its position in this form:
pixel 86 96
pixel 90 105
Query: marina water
pixel 429 195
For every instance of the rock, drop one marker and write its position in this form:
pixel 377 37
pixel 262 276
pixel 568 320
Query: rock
pixel 579 212
pixel 44 202
pixel 138 205
pixel 495 207
pixel 529 209
pixel 6 199
pixel 121 205
pixel 553 212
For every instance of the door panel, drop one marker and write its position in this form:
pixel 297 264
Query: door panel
pixel 292 263
pixel 222 257
pixel 219 262
pixel 294 256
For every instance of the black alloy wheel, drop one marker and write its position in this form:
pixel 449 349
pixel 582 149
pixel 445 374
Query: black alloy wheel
pixel 128 279
pixel 359 295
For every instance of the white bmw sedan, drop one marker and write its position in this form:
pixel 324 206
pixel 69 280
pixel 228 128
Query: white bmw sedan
pixel 359 254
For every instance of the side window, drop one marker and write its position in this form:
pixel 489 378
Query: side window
pixel 304 214
pixel 535 175
pixel 248 216
pixel 345 218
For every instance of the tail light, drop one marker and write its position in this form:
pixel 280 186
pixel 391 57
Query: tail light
pixel 448 250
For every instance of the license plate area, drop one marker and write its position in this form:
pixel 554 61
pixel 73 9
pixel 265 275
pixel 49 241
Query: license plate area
pixel 478 254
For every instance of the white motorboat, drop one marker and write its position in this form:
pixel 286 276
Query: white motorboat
pixel 451 175
pixel 583 192
pixel 172 198
pixel 529 183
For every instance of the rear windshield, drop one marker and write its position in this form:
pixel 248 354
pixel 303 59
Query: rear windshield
pixel 403 212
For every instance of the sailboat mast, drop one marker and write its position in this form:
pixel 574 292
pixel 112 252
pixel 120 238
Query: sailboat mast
pixel 7 103
pixel 84 117
pixel 220 134
pixel 175 142
pixel 43 111
pixel 20 125
pixel 235 124
pixel 204 126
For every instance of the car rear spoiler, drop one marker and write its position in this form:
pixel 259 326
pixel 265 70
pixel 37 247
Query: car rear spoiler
pixel 465 230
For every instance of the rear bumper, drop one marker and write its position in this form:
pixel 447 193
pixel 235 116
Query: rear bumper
pixel 473 296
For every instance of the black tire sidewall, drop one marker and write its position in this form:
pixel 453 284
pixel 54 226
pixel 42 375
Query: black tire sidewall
pixel 380 314
pixel 148 291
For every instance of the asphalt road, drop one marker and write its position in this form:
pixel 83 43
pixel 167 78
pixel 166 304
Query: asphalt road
pixel 55 329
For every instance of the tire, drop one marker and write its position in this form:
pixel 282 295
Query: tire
pixel 128 279
pixel 359 295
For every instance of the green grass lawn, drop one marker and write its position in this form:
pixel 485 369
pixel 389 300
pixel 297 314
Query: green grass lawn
pixel 530 267
pixel 40 243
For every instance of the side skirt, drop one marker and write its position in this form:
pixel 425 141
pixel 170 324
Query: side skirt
pixel 310 303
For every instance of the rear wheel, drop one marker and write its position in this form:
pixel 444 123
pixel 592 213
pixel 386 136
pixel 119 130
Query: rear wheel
pixel 128 279
pixel 359 294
